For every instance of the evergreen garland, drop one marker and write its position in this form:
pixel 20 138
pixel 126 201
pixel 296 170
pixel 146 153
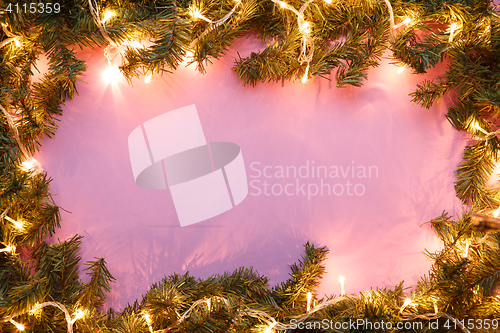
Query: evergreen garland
pixel 344 38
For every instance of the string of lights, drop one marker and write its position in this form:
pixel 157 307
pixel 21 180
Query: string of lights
pixel 28 164
pixel 468 25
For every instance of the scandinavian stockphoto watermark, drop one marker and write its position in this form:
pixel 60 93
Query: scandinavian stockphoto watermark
pixel 310 179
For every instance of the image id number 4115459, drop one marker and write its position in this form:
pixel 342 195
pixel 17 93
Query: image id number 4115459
pixel 33 8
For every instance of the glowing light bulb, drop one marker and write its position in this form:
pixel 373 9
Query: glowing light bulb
pixel 282 4
pixel 496 212
pixel 342 290
pixel 405 21
pixel 304 78
pixel 305 27
pixel 18 326
pixel 112 74
pixel 30 164
pixel 196 13
pixel 17 42
pixel 465 254
pixel 269 329
pixel 148 78
pixel 209 304
pixel 107 15
pixel 452 31
pixel 17 224
pixel 328 1
pixel 309 297
pixel 9 248
pixel 78 314
pixel 405 304
pixel 401 69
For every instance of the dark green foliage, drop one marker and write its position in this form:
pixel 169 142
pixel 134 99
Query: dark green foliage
pixel 349 38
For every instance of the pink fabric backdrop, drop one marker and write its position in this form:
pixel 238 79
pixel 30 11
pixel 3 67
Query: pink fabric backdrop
pixel 375 239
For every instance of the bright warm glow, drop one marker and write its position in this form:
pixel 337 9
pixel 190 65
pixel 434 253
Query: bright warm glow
pixel 209 304
pixel 269 329
pixel 8 249
pixel 107 15
pixel 496 212
pixel 148 318
pixel 476 126
pixel 401 69
pixel 466 249
pixel 148 78
pixel 304 78
pixel 282 4
pixel 452 31
pixel 342 290
pixel 305 27
pixel 17 224
pixel 405 304
pixel 196 13
pixel 405 21
pixel 78 314
pixel 306 74
pixel 18 326
pixel 309 297
pixel 112 74
pixel 328 1
pixel 28 165
pixel 17 42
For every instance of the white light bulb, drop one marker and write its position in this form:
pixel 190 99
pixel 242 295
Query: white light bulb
pixel 18 326
pixel 9 248
pixel 269 329
pixel 496 212
pixel 405 304
pixel 148 78
pixel 401 69
pixel 342 290
pixel 304 78
pixel 17 224
pixel 17 42
pixel 328 1
pixel 309 297
pixel 107 15
pixel 112 74
pixel 452 31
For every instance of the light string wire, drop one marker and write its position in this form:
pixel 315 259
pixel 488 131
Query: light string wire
pixel 70 321
pixel 35 166
pixel 112 49
pixel 248 312
pixel 278 326
pixel 391 19
pixel 214 24
pixel 12 37
pixel 307 42
pixel 488 135
pixel 95 14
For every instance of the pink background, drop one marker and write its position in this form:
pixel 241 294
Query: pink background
pixel 375 240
